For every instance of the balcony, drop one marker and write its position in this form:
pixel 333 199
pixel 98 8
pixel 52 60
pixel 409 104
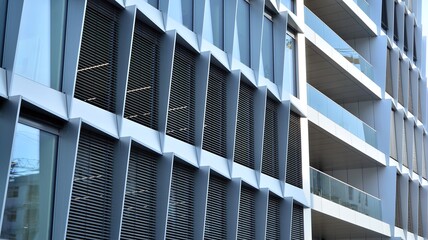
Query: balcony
pixel 321 29
pixel 341 116
pixel 343 194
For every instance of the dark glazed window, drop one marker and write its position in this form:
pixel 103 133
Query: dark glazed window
pixel 243 22
pixel 31 183
pixel 217 21
pixel 267 47
pixel 384 15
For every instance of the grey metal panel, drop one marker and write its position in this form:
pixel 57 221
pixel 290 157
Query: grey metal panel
pixel 126 31
pixel 414 193
pixel 261 203
pixel 120 169
pixel 230 8
pixel 73 39
pixel 413 90
pixel 286 219
pixel 9 114
pixel 66 161
pixel 164 188
pixel 201 86
pixel 410 20
pixel 233 195
pixel 233 82
pixel 166 59
pixel 201 188
pixel 388 176
pixel 424 210
pixel 283 120
pixel 394 72
pixel 257 8
pixel 259 123
pixel 13 20
pixel 198 18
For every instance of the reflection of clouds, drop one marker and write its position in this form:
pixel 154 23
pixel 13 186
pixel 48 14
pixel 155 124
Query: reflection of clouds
pixel 26 153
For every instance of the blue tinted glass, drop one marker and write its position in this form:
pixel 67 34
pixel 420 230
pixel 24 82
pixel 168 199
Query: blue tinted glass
pixel 289 4
pixel 217 22
pixel 3 8
pixel 267 48
pixel 28 208
pixel 290 65
pixel 187 8
pixel 243 21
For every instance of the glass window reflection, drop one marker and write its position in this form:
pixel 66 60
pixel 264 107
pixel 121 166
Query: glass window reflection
pixel 40 41
pixel 217 22
pixel 243 21
pixel 182 11
pixel 290 64
pixel 289 4
pixel 267 47
pixel 28 208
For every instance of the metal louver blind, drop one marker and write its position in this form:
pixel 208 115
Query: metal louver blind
pixel 273 228
pixel 294 162
pixel 181 112
pixel 297 222
pixel 142 94
pixel 247 218
pixel 181 202
pixel 270 165
pixel 420 225
pixel 244 146
pixel 90 206
pixel 96 74
pixel 139 214
pixel 410 212
pixel 216 220
pixel 398 220
pixel 216 111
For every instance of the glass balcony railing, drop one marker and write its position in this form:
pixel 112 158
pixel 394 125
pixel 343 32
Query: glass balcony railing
pixel 338 43
pixel 364 5
pixel 341 193
pixel 341 116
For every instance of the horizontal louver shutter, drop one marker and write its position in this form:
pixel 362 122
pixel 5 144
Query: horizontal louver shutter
pixel 181 203
pixel 247 212
pixel 142 94
pixel 270 164
pixel 181 113
pixel 420 212
pixel 90 206
pixel 216 220
pixel 216 112
pixel 297 222
pixel 294 155
pixel 244 146
pixel 410 212
pixel 398 217
pixel 273 228
pixel 96 74
pixel 139 214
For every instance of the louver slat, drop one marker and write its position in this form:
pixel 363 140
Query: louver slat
pixel 294 163
pixel 181 113
pixel 273 228
pixel 244 146
pixel 90 207
pixel 270 164
pixel 297 222
pixel 96 74
pixel 139 214
pixel 216 112
pixel 142 93
pixel 247 218
pixel 216 220
pixel 181 203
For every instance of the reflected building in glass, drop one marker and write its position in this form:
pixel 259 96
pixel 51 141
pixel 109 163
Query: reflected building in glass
pixel 213 119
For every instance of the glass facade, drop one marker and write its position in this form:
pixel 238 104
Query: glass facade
pixel 289 4
pixel 28 207
pixel 243 22
pixel 267 47
pixel 290 64
pixel 3 8
pixel 182 11
pixel 217 22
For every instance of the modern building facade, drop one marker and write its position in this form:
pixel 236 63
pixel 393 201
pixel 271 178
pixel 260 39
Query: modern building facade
pixel 213 119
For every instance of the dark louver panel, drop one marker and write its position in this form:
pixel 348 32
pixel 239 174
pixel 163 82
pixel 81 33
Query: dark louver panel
pixel 297 222
pixel 398 217
pixel 139 213
pixel 90 207
pixel 216 220
pixel 270 165
pixel 181 113
pixel 410 213
pixel 247 218
pixel 400 85
pixel 273 228
pixel 96 74
pixel 410 101
pixel 294 155
pixel 181 207
pixel 420 224
pixel 244 146
pixel 216 112
pixel 142 94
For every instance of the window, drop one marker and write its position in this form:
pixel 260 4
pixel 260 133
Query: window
pixel 294 153
pixel 217 22
pixel 415 52
pixel 384 15
pixel 3 15
pixel 243 28
pixel 389 87
pixel 31 174
pixel 154 3
pixel 267 47
pixel 182 11
pixel 406 45
pixel 40 42
pixel 398 215
pixel 395 23
pixel 290 63
pixel 392 138
pixel 289 4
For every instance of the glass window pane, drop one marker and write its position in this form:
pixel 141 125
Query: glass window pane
pixel 182 11
pixel 290 65
pixel 28 208
pixel 243 21
pixel 267 48
pixel 289 4
pixel 3 8
pixel 217 22
pixel 40 42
